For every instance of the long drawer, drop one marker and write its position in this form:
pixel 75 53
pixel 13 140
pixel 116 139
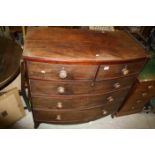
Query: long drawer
pixel 47 71
pixel 74 116
pixel 79 102
pixel 49 88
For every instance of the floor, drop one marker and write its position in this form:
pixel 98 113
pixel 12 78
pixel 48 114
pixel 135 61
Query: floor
pixel 136 121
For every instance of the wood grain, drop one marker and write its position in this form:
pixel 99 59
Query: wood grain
pixel 58 44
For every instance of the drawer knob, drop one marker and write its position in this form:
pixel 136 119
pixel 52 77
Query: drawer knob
pixel 43 72
pixel 132 107
pixel 58 117
pixel 59 105
pixel 61 90
pixel 106 67
pixel 144 94
pixel 125 71
pixel 62 74
pixel 110 99
pixel 117 85
pixel 150 87
pixel 104 112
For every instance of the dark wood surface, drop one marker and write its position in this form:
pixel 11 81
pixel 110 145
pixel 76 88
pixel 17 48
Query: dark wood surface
pixel 98 68
pixel 10 55
pixel 79 116
pixel 47 71
pixel 71 45
pixel 79 102
pixel 49 88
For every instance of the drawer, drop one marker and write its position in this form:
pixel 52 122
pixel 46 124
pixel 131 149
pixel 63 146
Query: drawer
pixel 74 116
pixel 49 71
pixel 129 112
pixel 147 87
pixel 119 70
pixel 134 104
pixel 141 94
pixel 135 101
pixel 50 88
pixel 79 102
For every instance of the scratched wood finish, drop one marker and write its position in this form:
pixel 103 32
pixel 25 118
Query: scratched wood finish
pixel 71 45
pixel 79 102
pixel 49 88
pixel 141 94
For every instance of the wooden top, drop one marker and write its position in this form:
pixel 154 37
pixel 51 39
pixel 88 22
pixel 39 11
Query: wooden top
pixel 10 55
pixel 74 45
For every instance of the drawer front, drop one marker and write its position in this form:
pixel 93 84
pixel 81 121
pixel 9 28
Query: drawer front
pixel 76 88
pixel 129 112
pixel 73 116
pixel 133 103
pixel 140 96
pixel 146 89
pixel 48 71
pixel 119 70
pixel 79 102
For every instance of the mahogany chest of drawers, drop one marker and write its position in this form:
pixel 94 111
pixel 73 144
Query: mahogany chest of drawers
pixel 142 92
pixel 76 76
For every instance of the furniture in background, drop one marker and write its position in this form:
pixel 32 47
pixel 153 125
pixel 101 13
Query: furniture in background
pixel 10 55
pixel 11 108
pixel 143 90
pixel 10 65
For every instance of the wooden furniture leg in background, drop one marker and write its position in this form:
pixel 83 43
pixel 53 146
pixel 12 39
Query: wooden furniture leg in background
pixel 24 86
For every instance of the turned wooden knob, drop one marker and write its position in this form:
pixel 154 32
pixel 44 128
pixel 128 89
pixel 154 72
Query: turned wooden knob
pixel 59 105
pixel 150 87
pixel 117 85
pixel 110 99
pixel 144 94
pixel 61 90
pixel 63 74
pixel 125 71
pixel 104 112
pixel 58 117
pixel 43 72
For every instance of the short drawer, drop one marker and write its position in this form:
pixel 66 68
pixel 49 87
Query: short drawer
pixel 119 70
pixel 49 71
pixel 50 88
pixel 79 102
pixel 74 116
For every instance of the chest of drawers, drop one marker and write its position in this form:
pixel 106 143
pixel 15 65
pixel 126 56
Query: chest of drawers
pixel 76 76
pixel 142 92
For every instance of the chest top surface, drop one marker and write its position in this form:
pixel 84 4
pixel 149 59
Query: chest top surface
pixel 74 45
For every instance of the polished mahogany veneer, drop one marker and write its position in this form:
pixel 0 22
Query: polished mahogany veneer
pixel 76 76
